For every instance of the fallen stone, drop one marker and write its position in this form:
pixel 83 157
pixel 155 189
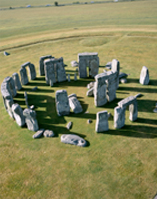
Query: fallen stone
pixel 90 92
pixel 90 85
pixel 155 110
pixel 69 125
pixel 109 65
pixel 49 133
pixel 122 75
pixel 89 121
pixel 38 134
pixel 73 139
pixel 6 53
pixel 74 63
pixel 123 80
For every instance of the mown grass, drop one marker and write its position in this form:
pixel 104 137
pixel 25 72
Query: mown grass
pixel 118 163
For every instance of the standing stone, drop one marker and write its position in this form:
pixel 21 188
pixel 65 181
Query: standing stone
pixel 60 70
pixel 93 68
pixel 24 77
pixel 69 125
pixel 18 114
pixel 17 82
pixel 116 68
pixel 68 77
pixel 119 117
pixel 144 76
pixel 26 99
pixel 11 85
pixel 75 77
pixel 32 71
pixel 41 64
pixel 73 139
pixel 30 118
pixel 50 76
pixel 101 121
pixel 62 103
pixel 75 104
pixel 133 111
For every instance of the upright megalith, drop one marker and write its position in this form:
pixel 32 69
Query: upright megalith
pixel 49 69
pixel 11 85
pixel 32 71
pixel 62 103
pixel 18 114
pixel 75 104
pixel 17 82
pixel 90 60
pixel 119 111
pixel 24 76
pixel 41 64
pixel 30 118
pixel 144 76
pixel 101 121
pixel 54 70
pixel 26 99
pixel 116 68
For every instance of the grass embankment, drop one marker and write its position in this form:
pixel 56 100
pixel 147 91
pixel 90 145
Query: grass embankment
pixel 119 163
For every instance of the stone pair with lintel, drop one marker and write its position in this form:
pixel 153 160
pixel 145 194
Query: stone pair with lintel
pixel 90 60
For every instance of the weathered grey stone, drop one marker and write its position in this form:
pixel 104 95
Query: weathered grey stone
pixel 11 85
pixel 123 80
pixel 32 71
pixel 155 110
pixel 26 99
pixel 88 59
pixel 32 107
pixel 18 114
pixel 6 53
pixel 17 82
pixel 25 64
pixel 24 77
pixel 122 75
pixel 89 121
pixel 60 70
pixel 90 85
pixel 68 77
pixel 116 68
pixel 41 64
pixel 50 74
pixel 73 139
pixel 7 97
pixel 119 117
pixel 38 134
pixel 75 77
pixel 144 76
pixel 62 103
pixel 49 133
pixel 119 112
pixel 69 125
pixel 101 121
pixel 30 118
pixel 90 92
pixel 74 63
pixel 109 65
pixel 138 95
pixel 75 104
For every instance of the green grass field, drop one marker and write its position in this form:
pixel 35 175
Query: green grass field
pixel 116 164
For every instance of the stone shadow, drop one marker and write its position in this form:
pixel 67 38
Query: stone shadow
pixel 138 89
pixel 138 131
pixel 152 82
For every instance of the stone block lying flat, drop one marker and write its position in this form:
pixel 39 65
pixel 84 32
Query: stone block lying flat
pixel 73 139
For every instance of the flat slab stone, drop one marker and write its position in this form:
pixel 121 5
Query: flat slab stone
pixel 74 63
pixel 38 134
pixel 73 139
pixel 49 133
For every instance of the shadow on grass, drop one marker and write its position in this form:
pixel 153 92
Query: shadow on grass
pixel 139 131
pixel 152 82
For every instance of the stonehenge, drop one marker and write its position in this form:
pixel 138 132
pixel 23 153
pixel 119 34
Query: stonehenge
pixel 90 60
pixel 17 82
pixel 41 64
pixel 62 103
pixel 119 111
pixel 144 76
pixel 101 121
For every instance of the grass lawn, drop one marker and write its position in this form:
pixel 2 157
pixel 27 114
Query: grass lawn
pixel 116 164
